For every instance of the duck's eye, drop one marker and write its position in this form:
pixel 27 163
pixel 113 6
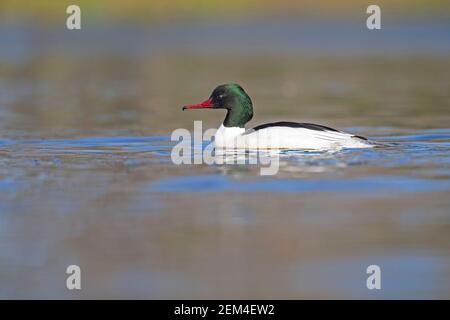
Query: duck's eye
pixel 221 96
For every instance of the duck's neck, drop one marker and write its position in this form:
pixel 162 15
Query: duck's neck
pixel 239 116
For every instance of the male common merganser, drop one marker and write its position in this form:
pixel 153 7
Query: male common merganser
pixel 276 135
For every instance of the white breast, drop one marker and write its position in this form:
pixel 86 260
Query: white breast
pixel 286 138
pixel 227 136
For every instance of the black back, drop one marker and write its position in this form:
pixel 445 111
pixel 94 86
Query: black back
pixel 310 126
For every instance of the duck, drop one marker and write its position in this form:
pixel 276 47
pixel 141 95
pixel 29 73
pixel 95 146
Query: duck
pixel 232 133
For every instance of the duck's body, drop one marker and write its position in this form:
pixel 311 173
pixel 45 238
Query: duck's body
pixel 287 135
pixel 277 135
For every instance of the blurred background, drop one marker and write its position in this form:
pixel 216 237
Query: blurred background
pixel 86 176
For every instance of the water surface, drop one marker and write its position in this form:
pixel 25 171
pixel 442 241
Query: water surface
pixel 86 176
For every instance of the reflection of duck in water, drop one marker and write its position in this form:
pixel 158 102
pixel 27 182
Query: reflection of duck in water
pixel 277 135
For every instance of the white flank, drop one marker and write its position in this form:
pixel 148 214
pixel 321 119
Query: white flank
pixel 280 137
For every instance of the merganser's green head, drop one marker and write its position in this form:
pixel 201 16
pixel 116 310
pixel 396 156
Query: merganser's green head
pixel 234 99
